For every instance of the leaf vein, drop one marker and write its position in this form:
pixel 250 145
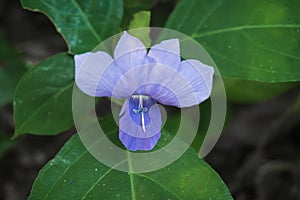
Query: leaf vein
pixel 88 23
pixel 245 27
pixel 64 89
pixel 76 160
pixel 218 5
pixel 164 187
pixel 100 178
pixel 269 49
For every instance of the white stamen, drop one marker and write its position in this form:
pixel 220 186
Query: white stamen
pixel 141 106
pixel 143 123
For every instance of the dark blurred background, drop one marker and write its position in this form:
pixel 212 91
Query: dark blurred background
pixel 258 154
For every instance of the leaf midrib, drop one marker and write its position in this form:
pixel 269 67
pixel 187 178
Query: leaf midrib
pixel 131 175
pixel 245 27
pixel 88 23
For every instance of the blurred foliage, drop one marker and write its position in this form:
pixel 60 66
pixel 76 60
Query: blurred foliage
pixel 131 7
pixel 161 11
pixel 137 5
pixel 245 91
pixel 141 19
pixel 5 144
pixel 11 70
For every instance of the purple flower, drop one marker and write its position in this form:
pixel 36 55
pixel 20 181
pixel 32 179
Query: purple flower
pixel 144 79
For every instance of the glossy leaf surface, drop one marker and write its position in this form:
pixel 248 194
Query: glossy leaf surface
pixel 251 39
pixel 80 176
pixel 43 98
pixel 83 23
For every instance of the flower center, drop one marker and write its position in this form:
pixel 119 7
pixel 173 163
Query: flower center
pixel 141 110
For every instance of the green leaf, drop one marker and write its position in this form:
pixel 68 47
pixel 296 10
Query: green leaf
pixel 11 70
pixel 75 174
pixel 83 23
pixel 141 20
pixel 251 39
pixel 134 6
pixel 244 91
pixel 43 98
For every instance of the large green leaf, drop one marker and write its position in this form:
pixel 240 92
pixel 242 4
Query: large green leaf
pixel 75 174
pixel 250 39
pixel 83 23
pixel 11 70
pixel 43 98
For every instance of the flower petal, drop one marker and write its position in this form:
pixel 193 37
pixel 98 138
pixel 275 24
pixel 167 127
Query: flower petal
pixel 167 52
pixel 190 85
pixel 134 143
pixel 89 67
pixel 129 52
pixel 139 130
pixel 125 82
pixel 187 86
pixel 97 73
pixel 157 74
pixel 200 77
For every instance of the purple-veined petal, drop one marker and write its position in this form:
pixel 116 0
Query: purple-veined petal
pixel 133 72
pixel 167 52
pixel 89 67
pixel 140 123
pixel 97 73
pixel 190 85
pixel 129 52
pixel 134 143
pixel 200 77
pixel 183 87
